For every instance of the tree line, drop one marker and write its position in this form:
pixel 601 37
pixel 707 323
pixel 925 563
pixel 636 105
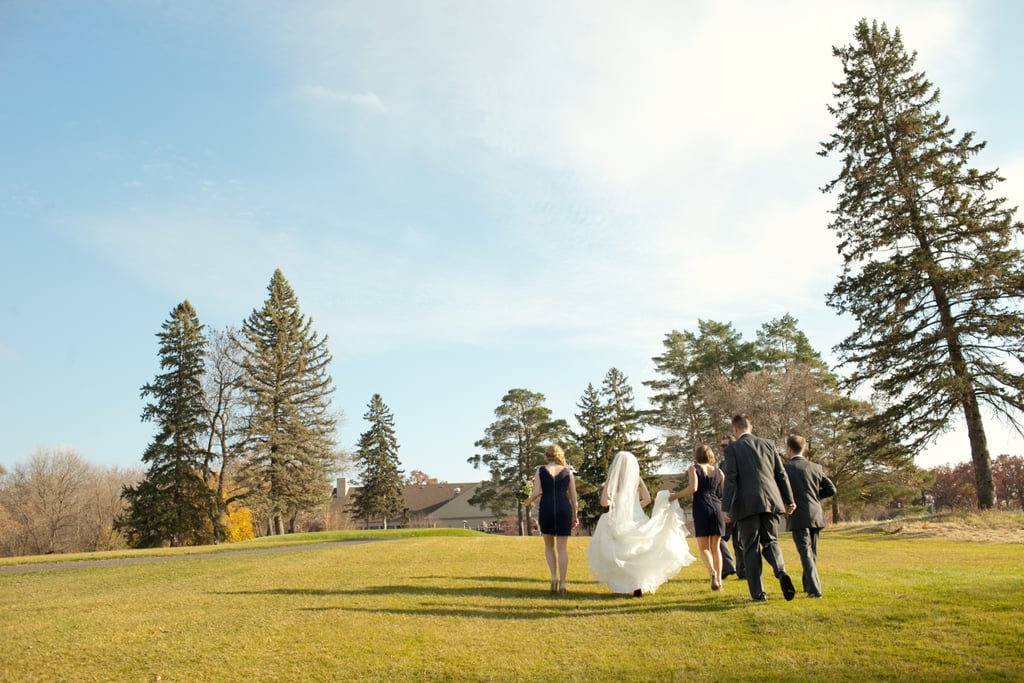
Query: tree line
pixel 932 276
pixel 243 418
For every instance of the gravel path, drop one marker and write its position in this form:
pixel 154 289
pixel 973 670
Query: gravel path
pixel 82 564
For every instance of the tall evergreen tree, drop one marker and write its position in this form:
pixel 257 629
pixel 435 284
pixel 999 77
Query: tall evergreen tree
pixel 690 365
pixel 931 271
pixel 291 429
pixel 781 344
pixel 594 460
pixel 380 495
pixel 173 504
pixel 609 423
pixel 513 446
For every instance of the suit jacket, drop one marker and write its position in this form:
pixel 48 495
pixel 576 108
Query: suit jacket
pixel 755 480
pixel 810 486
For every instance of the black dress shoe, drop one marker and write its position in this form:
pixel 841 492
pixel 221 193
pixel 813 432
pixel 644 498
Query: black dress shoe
pixel 726 575
pixel 814 595
pixel 788 589
pixel 760 598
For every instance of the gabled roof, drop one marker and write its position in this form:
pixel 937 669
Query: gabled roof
pixel 424 499
pixel 459 507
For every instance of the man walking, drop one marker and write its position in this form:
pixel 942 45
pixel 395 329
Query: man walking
pixel 730 565
pixel 810 486
pixel 756 492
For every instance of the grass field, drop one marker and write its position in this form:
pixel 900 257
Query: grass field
pixel 471 607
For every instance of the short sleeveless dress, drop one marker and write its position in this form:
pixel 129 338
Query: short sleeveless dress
pixel 555 512
pixel 707 505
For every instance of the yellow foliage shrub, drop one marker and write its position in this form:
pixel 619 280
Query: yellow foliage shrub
pixel 240 524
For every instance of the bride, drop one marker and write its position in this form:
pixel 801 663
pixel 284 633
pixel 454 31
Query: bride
pixel 630 552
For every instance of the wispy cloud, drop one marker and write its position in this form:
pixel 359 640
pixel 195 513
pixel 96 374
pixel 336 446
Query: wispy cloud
pixel 634 158
pixel 367 100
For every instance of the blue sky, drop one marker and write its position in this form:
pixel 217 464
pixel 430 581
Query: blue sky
pixel 467 197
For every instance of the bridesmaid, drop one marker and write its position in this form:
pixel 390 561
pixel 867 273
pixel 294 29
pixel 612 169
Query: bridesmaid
pixel 558 515
pixel 708 524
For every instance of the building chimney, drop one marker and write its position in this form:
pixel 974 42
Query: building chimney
pixel 342 487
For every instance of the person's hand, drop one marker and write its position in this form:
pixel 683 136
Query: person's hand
pixel 725 517
pixel 791 508
pixel 575 522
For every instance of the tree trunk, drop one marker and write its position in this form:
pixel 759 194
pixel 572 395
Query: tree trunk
pixel 835 511
pixel 965 388
pixel 979 454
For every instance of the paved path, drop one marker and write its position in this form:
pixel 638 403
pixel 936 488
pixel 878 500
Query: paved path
pixel 113 562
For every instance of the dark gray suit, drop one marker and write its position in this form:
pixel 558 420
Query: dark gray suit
pixel 756 492
pixel 810 486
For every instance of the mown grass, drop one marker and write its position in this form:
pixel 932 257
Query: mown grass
pixel 476 608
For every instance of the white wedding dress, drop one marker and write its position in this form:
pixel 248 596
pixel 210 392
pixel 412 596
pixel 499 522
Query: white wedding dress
pixel 629 550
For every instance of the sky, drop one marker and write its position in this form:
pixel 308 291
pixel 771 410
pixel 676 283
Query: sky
pixel 467 197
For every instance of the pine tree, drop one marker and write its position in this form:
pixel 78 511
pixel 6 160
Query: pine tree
pixel 781 344
pixel 931 272
pixel 380 495
pixel 691 364
pixel 594 460
pixel 609 423
pixel 173 504
pixel 291 429
pixel 513 446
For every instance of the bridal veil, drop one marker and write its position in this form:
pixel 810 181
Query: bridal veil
pixel 630 550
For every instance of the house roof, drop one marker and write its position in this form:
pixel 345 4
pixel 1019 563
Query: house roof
pixel 459 507
pixel 427 498
pixel 451 500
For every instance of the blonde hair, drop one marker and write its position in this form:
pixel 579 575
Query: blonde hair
pixel 554 453
pixel 704 455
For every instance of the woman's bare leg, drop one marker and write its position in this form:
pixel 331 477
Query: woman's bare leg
pixel 549 555
pixel 563 559
pixel 705 553
pixel 715 545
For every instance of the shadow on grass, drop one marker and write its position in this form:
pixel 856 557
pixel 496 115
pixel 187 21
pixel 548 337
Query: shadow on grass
pixel 496 602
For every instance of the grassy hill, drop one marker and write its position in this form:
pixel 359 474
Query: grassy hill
pixel 472 607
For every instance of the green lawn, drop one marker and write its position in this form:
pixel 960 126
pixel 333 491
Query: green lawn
pixel 471 607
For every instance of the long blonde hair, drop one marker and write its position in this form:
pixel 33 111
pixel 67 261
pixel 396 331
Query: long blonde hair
pixel 554 453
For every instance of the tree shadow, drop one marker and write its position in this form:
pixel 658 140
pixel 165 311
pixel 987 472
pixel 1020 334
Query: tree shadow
pixel 501 602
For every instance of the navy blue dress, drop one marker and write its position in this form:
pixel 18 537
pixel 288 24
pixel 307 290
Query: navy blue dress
pixel 707 505
pixel 555 513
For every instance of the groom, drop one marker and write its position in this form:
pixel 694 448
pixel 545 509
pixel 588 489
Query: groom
pixel 756 492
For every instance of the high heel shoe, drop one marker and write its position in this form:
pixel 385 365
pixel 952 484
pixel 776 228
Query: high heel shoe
pixel 561 590
pixel 716 583
pixel 554 585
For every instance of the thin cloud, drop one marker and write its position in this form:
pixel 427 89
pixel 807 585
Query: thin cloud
pixel 367 100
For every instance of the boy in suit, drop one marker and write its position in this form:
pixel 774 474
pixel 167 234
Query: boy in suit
pixel 810 487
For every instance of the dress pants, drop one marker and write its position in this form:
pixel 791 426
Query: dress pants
pixel 806 541
pixel 737 548
pixel 728 562
pixel 759 534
